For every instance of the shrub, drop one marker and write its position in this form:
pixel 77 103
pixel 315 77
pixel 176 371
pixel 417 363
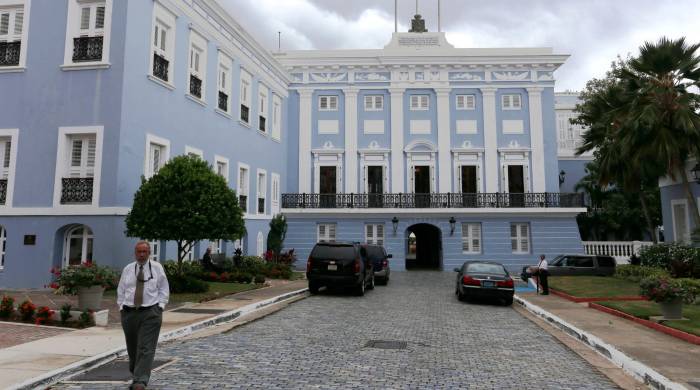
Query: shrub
pixel 189 268
pixel 680 260
pixel 43 315
pixel 186 284
pixel 69 280
pixel 661 289
pixel 635 273
pixel 86 319
pixel 26 310
pixel 65 313
pixel 7 307
pixel 246 278
pixel 259 279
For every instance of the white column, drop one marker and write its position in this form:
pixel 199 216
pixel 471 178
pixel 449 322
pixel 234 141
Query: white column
pixel 350 140
pixel 490 140
pixel 536 138
pixel 305 140
pixel 443 128
pixel 397 182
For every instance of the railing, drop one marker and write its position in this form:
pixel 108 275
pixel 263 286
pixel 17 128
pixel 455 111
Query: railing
pixel 3 191
pixel 244 113
pixel 195 86
pixel 223 101
pixel 620 250
pixel 76 190
pixel 261 125
pixel 243 203
pixel 9 53
pixel 87 49
pixel 444 200
pixel 261 205
pixel 160 67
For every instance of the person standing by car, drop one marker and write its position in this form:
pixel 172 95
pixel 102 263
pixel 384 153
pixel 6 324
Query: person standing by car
pixel 543 275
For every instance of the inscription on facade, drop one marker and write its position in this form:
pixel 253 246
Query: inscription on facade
pixel 419 41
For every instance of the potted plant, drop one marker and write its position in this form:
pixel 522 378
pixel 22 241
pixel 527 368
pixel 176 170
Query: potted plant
pixel 88 281
pixel 670 294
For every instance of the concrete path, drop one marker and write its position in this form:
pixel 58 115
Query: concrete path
pixel 30 360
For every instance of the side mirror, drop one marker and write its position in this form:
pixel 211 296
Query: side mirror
pixel 457 269
pixel 389 256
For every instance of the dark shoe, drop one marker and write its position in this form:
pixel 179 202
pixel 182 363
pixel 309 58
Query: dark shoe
pixel 545 293
pixel 138 386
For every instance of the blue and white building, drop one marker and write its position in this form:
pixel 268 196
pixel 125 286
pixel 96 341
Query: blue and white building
pixel 439 153
pixel 676 209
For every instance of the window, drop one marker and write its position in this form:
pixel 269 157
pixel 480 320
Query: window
pixel 87 28
pixel 246 80
pixel 11 36
pixel 374 102
pixel 224 97
pixel 276 117
pixel 260 244
pixel 77 179
pixel 163 44
pixel 217 246
pixel 3 246
pixel 681 222
pixel 155 250
pixel 262 106
pixel 221 167
pixel 328 103
pixel 511 102
pixel 374 234
pixel 77 246
pixel 189 255
pixel 198 65
pixel 5 158
pixel 262 190
pixel 194 152
pixel 520 237
pixel 157 154
pixel 82 156
pixel 471 238
pixel 275 194
pixel 466 102
pixel 326 232
pixel 420 102
pixel 243 186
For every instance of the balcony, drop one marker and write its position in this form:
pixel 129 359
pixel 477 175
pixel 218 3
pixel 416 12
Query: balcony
pixel 261 205
pixel 223 102
pixel 432 201
pixel 243 203
pixel 3 191
pixel 160 67
pixel 261 125
pixel 195 86
pixel 87 49
pixel 9 53
pixel 244 113
pixel 76 190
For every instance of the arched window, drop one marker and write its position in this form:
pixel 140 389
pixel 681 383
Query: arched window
pixel 3 243
pixel 261 244
pixel 77 247
pixel 155 250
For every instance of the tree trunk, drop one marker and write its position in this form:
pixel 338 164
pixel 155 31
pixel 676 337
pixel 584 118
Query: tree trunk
pixel 180 256
pixel 645 210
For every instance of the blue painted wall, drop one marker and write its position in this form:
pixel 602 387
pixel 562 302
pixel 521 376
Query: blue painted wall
pixel 670 193
pixel 575 171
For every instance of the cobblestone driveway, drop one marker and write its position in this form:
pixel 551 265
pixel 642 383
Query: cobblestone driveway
pixel 320 342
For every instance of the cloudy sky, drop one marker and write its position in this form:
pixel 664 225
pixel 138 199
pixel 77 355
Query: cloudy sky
pixel 593 32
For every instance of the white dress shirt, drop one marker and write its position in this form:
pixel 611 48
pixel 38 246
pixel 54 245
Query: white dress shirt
pixel 543 265
pixel 155 289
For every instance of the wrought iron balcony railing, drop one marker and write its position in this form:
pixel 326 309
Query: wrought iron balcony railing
pixel 87 49
pixel 245 113
pixel 160 67
pixel 261 205
pixel 243 203
pixel 3 191
pixel 76 190
pixel 9 53
pixel 223 101
pixel 261 125
pixel 195 86
pixel 433 201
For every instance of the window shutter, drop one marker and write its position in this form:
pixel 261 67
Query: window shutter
pixel 524 238
pixel 516 101
pixel 414 101
pixel 19 21
pixel 465 237
pixel 85 18
pixel 155 37
pixel 163 35
pixel 380 234
pixel 470 102
pixel 4 23
pixel 331 232
pixel 514 237
pixel 92 143
pixel 155 159
pixel 368 102
pixel 321 233
pixel 368 234
pixel 333 104
pixel 6 157
pixel 379 102
pixel 76 153
pixel 424 101
pixel 476 237
pixel 460 102
pixel 100 18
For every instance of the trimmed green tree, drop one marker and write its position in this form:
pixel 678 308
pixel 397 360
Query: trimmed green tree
pixel 278 231
pixel 185 202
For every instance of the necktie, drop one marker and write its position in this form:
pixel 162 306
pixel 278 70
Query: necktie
pixel 138 297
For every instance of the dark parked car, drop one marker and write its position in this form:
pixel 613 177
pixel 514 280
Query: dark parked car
pixel 339 264
pixel 574 265
pixel 380 262
pixel 485 279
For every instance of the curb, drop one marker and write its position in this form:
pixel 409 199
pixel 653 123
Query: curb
pixel 95 361
pixel 595 299
pixel 637 369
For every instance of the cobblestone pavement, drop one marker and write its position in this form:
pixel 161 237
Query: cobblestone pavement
pixel 15 334
pixel 320 343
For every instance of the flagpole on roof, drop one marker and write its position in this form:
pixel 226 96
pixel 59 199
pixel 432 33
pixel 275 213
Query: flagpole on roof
pixel 439 27
pixel 396 15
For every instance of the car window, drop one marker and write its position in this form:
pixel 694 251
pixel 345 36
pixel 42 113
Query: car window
pixel 375 252
pixel 479 268
pixel 557 260
pixel 563 262
pixel 345 252
pixel 585 262
pixel 606 261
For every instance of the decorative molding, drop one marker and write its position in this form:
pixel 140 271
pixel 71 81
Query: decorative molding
pixel 297 77
pixel 466 76
pixel 511 76
pixel 328 77
pixel 372 76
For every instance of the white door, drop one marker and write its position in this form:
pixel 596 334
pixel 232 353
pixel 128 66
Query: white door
pixel 77 246
pixel 680 223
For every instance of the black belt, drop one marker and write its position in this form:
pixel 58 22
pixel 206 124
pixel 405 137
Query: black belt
pixel 142 308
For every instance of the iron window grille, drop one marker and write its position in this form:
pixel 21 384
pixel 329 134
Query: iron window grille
pixel 262 125
pixel 261 205
pixel 9 53
pixel 223 101
pixel 160 67
pixel 195 86
pixel 87 49
pixel 243 202
pixel 244 113
pixel 3 191
pixel 76 190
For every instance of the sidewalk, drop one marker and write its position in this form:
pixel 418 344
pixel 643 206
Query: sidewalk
pixel 676 360
pixel 68 351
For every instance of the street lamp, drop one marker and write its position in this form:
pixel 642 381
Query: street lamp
pixel 562 177
pixel 395 224
pixel 453 222
pixel 696 172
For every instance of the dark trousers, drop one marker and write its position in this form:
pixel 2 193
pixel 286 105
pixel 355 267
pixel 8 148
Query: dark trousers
pixel 544 282
pixel 141 329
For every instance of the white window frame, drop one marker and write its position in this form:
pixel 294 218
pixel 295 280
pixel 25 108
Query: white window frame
pixel 471 238
pixel 520 238
pixel 224 81
pixel 63 154
pixel 189 150
pixel 508 101
pixel 419 102
pixel 276 117
pixel 3 246
pixel 374 102
pixel 515 158
pixel 155 250
pixel 684 203
pixel 328 158
pixel 246 90
pixel 73 30
pixel 86 236
pixel 197 63
pixel 276 192
pixel 163 20
pixel 164 155
pixel 370 158
pixel 468 158
pixel 263 103
pixel 372 233
pixel 243 187
pixel 221 160
pixel 468 102
pixel 331 102
pixel 260 244
pixel 13 6
pixel 327 229
pixel 9 173
pixel 261 191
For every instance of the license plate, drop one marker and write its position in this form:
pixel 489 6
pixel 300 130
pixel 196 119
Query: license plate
pixel 488 283
pixel 332 267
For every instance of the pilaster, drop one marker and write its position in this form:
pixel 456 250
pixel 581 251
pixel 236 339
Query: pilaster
pixel 350 140
pixel 397 182
pixel 305 106
pixel 491 178
pixel 536 138
pixel 443 128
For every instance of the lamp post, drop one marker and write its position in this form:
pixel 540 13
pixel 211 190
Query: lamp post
pixel 453 222
pixel 395 224
pixel 562 177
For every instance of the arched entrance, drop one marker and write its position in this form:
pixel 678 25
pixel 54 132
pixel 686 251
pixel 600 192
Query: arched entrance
pixel 423 247
pixel 77 245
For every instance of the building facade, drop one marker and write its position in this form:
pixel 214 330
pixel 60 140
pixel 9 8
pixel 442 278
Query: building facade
pixel 676 209
pixel 439 153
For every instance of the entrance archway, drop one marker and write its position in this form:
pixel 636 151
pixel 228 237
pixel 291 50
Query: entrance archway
pixel 423 247
pixel 77 245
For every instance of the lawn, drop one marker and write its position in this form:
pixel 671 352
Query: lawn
pixel 216 290
pixel 645 309
pixel 594 286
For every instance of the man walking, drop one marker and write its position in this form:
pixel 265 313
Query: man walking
pixel 141 296
pixel 543 274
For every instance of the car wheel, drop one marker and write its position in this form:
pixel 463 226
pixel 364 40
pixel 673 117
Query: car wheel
pixel 508 301
pixel 313 288
pixel 360 289
pixel 371 283
pixel 461 296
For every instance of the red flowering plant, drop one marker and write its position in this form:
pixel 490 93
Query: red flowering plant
pixel 7 307
pixel 43 315
pixel 26 310
pixel 69 280
pixel 663 289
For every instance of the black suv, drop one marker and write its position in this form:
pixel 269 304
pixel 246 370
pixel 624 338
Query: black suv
pixel 339 264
